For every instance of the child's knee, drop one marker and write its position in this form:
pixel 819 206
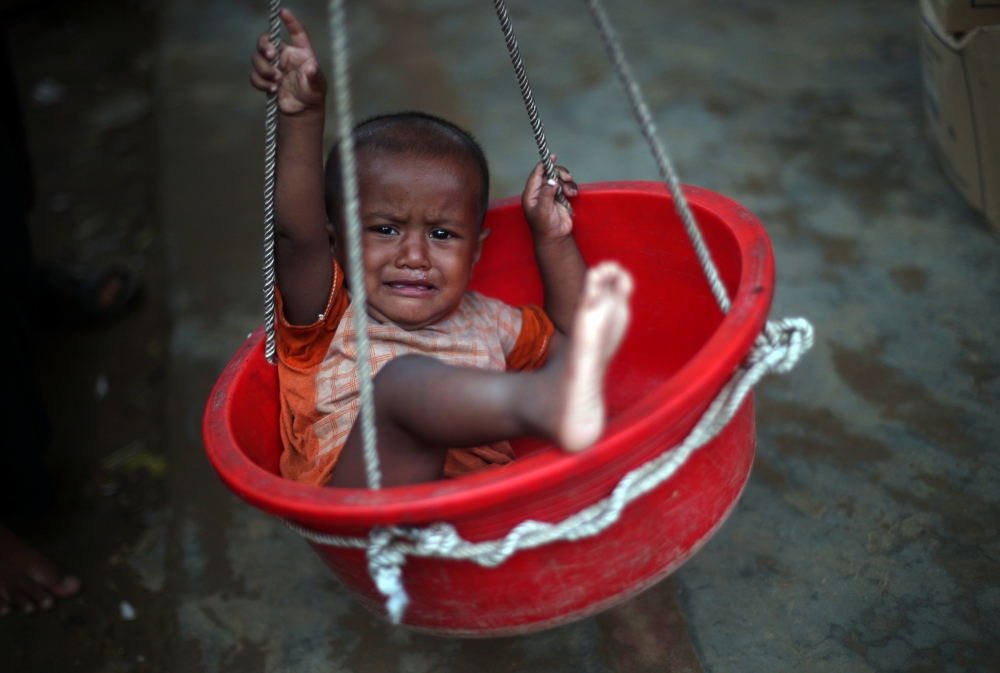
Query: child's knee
pixel 404 365
pixel 403 375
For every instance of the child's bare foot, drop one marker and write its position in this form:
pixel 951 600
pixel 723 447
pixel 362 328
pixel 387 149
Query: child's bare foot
pixel 598 328
pixel 28 580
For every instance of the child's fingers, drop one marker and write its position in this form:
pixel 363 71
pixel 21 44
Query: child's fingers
pixel 263 67
pixel 554 209
pixel 262 84
pixel 547 193
pixel 265 48
pixel 536 178
pixel 569 186
pixel 309 79
pixel 297 34
pixel 314 75
pixel 532 186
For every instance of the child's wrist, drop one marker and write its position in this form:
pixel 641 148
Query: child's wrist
pixel 311 113
pixel 543 242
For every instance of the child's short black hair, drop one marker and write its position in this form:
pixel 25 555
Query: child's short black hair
pixel 416 133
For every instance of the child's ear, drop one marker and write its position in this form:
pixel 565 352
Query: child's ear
pixel 483 235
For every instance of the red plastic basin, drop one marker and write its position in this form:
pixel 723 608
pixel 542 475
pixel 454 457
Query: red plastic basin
pixel 677 355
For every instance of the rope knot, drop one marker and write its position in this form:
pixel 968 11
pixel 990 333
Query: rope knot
pixel 781 344
pixel 385 566
pixel 440 539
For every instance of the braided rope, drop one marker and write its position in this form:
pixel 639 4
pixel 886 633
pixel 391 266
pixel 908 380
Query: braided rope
pixel 270 153
pixel 776 349
pixel 529 101
pixel 352 221
pixel 645 119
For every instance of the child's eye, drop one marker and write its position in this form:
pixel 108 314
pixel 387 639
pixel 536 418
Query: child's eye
pixel 383 229
pixel 441 234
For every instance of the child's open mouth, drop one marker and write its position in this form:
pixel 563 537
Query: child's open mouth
pixel 410 288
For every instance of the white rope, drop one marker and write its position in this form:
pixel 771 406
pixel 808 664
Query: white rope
pixel 342 95
pixel 776 349
pixel 645 119
pixel 529 101
pixel 352 221
pixel 270 149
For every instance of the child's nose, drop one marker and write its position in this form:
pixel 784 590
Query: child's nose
pixel 413 252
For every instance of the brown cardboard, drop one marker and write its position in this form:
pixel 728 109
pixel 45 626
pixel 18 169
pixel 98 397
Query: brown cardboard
pixel 961 15
pixel 962 107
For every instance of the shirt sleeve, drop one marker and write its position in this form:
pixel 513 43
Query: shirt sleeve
pixel 532 345
pixel 304 346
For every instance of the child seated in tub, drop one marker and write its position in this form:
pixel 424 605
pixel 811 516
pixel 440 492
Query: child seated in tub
pixel 457 374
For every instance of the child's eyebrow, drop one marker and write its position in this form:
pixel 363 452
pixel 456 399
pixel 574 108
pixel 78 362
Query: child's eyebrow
pixel 445 221
pixel 385 216
pixel 437 222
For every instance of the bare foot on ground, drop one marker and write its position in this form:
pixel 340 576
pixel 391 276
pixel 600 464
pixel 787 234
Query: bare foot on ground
pixel 28 580
pixel 598 328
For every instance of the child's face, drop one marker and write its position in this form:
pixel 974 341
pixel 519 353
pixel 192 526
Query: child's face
pixel 421 238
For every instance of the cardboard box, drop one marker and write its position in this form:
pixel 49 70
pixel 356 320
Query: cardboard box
pixel 962 106
pixel 961 15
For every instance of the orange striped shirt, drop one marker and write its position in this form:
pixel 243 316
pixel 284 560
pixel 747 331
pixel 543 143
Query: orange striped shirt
pixel 318 372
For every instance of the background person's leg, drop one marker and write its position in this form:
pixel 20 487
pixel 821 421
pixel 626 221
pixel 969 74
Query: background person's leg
pixel 25 489
pixel 28 580
pixel 24 485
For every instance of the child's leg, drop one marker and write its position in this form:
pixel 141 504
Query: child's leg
pixel 423 406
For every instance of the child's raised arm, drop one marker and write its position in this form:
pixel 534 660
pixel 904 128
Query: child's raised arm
pixel 559 260
pixel 303 268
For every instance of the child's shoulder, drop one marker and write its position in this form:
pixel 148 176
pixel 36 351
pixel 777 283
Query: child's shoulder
pixel 490 314
pixel 493 318
pixel 478 302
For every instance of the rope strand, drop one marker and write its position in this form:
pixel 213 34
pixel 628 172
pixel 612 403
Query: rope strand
pixel 352 221
pixel 270 153
pixel 648 127
pixel 529 102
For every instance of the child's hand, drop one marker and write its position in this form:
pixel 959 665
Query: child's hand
pixel 549 220
pixel 297 80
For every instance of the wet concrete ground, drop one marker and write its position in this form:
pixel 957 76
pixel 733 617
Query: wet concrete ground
pixel 867 537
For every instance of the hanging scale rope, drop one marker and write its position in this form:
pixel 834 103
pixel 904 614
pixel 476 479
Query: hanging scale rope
pixel 648 127
pixel 270 149
pixel 355 262
pixel 529 101
pixel 646 124
pixel 352 220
